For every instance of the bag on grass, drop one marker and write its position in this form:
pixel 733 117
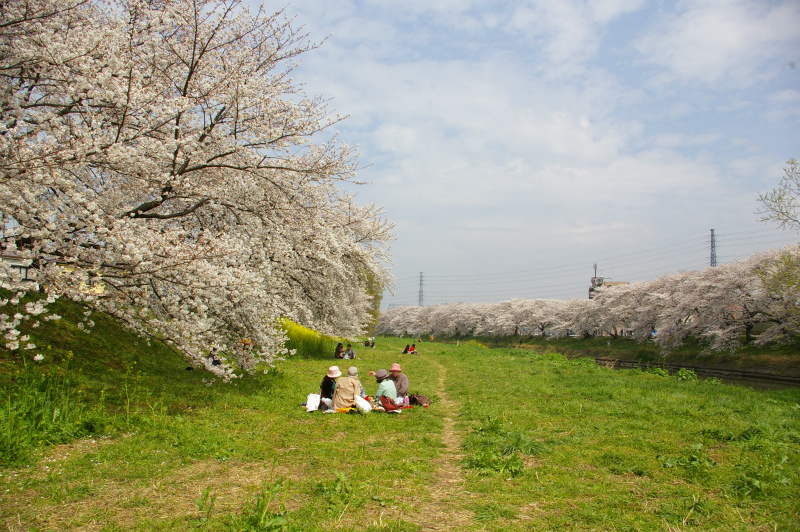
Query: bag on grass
pixel 416 399
pixel 312 402
pixel 388 404
pixel 363 404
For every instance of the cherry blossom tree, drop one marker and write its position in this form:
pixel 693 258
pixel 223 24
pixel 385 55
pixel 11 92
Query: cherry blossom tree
pixel 781 205
pixel 722 306
pixel 162 152
pixel 780 275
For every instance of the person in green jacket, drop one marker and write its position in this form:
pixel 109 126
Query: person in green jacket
pixel 385 386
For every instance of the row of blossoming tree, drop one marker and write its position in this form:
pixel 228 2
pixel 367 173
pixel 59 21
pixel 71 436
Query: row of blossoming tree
pixel 159 164
pixel 724 306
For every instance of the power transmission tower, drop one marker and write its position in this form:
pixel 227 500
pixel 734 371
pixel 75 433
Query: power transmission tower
pixel 420 289
pixel 713 249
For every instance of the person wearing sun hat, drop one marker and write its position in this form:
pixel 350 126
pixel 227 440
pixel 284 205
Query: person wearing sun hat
pixel 328 387
pixel 347 388
pixel 385 385
pixel 400 381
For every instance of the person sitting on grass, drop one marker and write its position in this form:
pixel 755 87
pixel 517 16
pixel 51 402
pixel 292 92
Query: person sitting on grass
pixel 413 350
pixel 347 388
pixel 405 351
pixel 339 353
pixel 385 386
pixel 328 387
pixel 400 382
pixel 349 353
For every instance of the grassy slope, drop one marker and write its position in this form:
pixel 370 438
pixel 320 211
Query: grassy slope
pixel 783 359
pixel 547 444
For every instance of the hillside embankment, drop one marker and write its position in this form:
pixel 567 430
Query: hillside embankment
pixel 776 365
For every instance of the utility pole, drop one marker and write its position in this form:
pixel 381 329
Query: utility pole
pixel 713 261
pixel 597 282
pixel 420 289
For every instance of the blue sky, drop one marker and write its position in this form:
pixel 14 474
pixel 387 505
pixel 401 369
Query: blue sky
pixel 516 143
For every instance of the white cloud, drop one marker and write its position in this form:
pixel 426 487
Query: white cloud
pixel 507 134
pixel 736 41
pixel 605 11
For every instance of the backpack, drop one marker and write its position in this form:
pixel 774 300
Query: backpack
pixel 416 399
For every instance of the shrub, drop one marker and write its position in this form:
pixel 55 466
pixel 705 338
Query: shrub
pixel 685 374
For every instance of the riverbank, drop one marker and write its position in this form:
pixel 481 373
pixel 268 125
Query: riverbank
pixel 779 363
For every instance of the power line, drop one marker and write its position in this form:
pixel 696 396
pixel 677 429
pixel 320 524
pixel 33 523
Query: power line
pixel 688 254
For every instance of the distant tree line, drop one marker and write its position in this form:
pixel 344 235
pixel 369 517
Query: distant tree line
pixel 724 306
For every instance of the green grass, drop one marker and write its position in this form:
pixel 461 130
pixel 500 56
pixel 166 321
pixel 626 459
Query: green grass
pixel 543 443
pixel 779 358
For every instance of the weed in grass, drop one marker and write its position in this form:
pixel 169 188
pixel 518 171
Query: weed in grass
pixel 260 516
pixel 661 372
pixel 685 374
pixel 205 503
pixel 695 463
pixel 342 493
pixel 490 461
pixel 757 480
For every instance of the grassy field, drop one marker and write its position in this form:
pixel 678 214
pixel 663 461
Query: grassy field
pixel 782 359
pixel 119 436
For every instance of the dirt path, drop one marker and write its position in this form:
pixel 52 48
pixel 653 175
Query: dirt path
pixel 449 503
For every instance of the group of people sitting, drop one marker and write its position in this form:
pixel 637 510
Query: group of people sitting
pixel 338 394
pixel 410 350
pixel 342 353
